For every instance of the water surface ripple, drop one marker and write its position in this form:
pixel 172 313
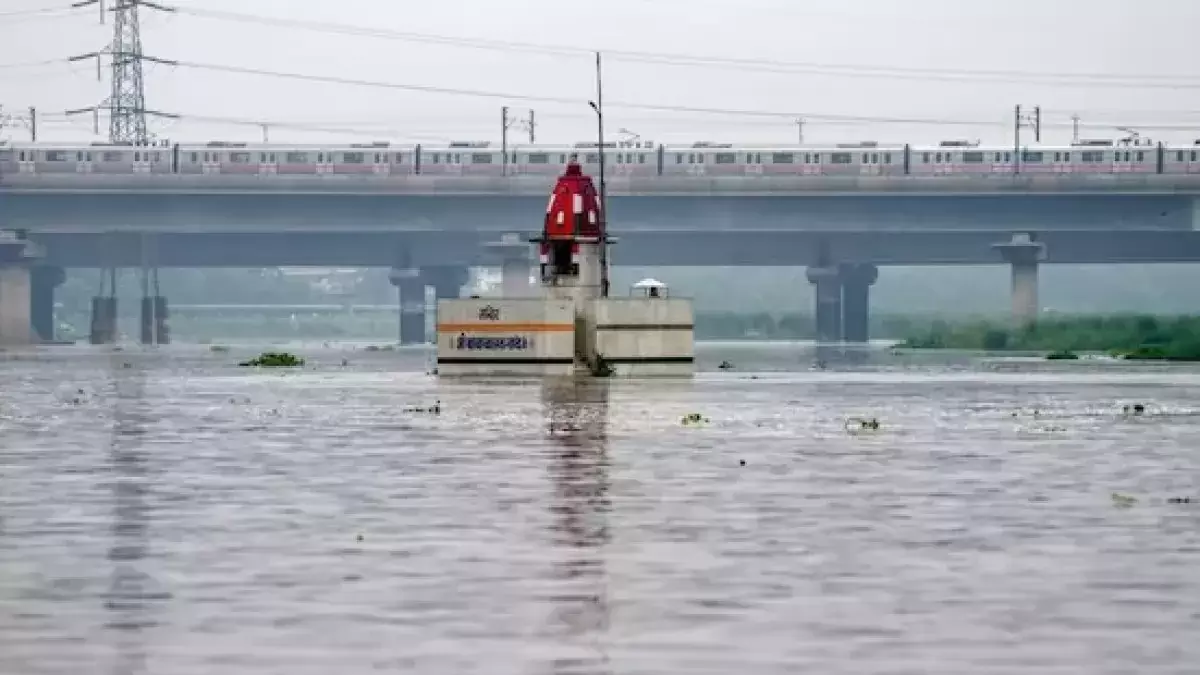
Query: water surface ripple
pixel 167 512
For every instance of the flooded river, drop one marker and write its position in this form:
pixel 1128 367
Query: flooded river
pixel 167 512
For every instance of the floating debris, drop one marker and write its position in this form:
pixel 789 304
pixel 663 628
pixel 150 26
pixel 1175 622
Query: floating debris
pixel 273 360
pixel 435 409
pixel 725 365
pixel 855 425
pixel 1123 501
pixel 693 419
pixel 1135 410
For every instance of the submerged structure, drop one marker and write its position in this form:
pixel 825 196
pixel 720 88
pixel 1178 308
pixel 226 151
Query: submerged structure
pixel 569 325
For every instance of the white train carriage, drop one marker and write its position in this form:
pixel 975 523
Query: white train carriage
pixel 47 158
pixel 1181 159
pixel 296 160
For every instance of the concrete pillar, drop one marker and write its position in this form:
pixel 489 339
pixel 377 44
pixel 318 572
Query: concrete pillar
pixel 1024 254
pixel 515 258
pixel 17 257
pixel 44 279
pixel 411 286
pixel 857 279
pixel 16 317
pixel 447 281
pixel 103 330
pixel 828 283
pixel 154 321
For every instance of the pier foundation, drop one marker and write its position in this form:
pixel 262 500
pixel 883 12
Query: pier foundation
pixel 828 283
pixel 103 329
pixel 44 279
pixel 516 265
pixel 411 287
pixel 857 279
pixel 1023 253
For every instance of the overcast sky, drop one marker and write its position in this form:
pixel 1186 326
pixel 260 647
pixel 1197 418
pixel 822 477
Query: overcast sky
pixel 1128 38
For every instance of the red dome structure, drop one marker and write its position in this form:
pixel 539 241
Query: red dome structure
pixel 574 208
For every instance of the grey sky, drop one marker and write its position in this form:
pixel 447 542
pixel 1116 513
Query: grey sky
pixel 1118 37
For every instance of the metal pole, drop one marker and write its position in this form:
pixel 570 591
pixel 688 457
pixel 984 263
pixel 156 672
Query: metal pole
pixel 504 140
pixel 532 126
pixel 1017 140
pixel 33 124
pixel 603 186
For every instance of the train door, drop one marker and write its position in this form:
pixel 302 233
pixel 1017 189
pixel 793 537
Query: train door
pixel 268 164
pixel 379 164
pixel 1061 162
pixel 324 163
pixel 454 165
pixel 141 161
pixel 210 163
pixel 695 164
pixel 753 164
pixel 943 163
pixel 83 162
pixel 869 164
pixel 27 161
pixel 1122 160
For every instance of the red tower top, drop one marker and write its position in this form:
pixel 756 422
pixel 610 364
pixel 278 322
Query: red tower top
pixel 574 208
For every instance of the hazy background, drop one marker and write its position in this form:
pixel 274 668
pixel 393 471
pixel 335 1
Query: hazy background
pixel 918 71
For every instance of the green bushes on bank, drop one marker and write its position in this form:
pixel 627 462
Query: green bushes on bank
pixel 1131 337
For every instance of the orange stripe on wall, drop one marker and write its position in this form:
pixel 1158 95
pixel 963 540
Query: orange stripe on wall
pixel 495 327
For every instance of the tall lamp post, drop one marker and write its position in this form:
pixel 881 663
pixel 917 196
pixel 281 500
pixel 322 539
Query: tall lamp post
pixel 598 106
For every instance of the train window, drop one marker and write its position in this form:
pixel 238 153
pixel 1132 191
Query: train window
pixel 56 156
pixel 591 159
pixel 924 157
pixel 725 158
pixel 866 158
pixel 700 158
pixel 481 158
pixel 641 158
pixel 457 158
pixel 972 157
pixel 1091 157
pixel 1193 155
pixel 841 158
pixel 195 156
pixel 874 157
pixel 679 158
pixel 433 159
pixel 691 158
pixel 1179 156
pixel 1032 157
pixel 378 158
pixel 157 156
pixel 887 158
pixel 137 156
pixel 296 158
pixel 239 157
pixel 782 158
pixel 262 157
pixel 22 157
pixel 538 158
pixel 1066 157
pixel 353 157
pixel 87 156
pixel 1141 156
pixel 937 159
pixel 1058 156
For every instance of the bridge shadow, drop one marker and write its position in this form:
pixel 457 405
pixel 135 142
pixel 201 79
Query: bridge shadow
pixel 133 595
pixel 577 421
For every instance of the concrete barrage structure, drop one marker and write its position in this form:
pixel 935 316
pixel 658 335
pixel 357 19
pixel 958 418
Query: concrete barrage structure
pixel 571 326
pixel 17 258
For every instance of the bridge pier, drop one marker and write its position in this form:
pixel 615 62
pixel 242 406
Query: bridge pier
pixel 1024 254
pixel 857 279
pixel 103 329
pixel 411 287
pixel 828 282
pixel 44 279
pixel 155 312
pixel 17 258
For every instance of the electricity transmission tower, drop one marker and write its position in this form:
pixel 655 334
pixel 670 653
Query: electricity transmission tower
pixel 126 104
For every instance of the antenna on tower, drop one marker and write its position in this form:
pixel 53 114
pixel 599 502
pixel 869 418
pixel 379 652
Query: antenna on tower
pixel 126 104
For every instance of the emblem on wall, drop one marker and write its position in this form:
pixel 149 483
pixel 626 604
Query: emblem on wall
pixel 489 313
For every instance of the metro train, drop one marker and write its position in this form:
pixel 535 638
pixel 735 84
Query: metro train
pixel 621 159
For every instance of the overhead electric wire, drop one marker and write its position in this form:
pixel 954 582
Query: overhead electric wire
pixel 759 64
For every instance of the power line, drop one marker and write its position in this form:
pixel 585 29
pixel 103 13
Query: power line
pixel 330 79
pixel 1152 81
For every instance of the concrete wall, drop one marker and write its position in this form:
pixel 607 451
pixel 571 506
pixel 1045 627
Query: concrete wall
pixel 645 336
pixel 15 308
pixel 494 336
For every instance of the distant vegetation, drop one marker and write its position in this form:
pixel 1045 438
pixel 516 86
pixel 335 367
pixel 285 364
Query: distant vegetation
pixel 1133 337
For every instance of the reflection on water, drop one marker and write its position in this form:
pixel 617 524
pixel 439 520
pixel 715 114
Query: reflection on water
pixel 131 594
pixel 577 413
